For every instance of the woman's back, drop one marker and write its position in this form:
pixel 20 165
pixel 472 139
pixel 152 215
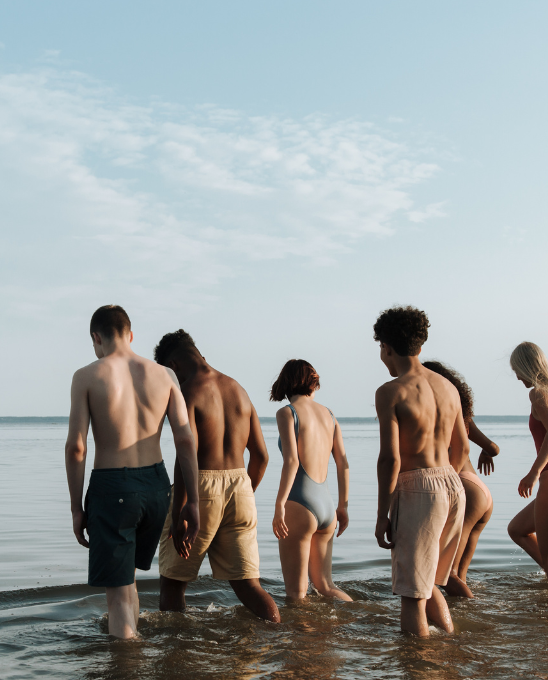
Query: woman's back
pixel 315 437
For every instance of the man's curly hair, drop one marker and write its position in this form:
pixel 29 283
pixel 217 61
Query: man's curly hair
pixel 405 329
pixel 179 340
pixel 465 393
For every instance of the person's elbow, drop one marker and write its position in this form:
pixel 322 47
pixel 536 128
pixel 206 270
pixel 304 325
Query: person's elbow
pixel 184 442
pixel 260 457
pixel 387 462
pixel 75 452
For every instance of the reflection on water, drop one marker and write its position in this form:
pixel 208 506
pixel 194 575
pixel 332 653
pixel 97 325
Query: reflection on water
pixel 62 634
pixel 60 631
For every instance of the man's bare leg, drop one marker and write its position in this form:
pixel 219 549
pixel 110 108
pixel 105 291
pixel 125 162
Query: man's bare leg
pixel 413 616
pixel 123 611
pixel 255 598
pixel 172 595
pixel 136 606
pixel 438 611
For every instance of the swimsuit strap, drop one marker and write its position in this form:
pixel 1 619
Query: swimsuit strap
pixel 295 420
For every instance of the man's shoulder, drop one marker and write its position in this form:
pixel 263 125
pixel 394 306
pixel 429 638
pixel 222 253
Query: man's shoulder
pixel 390 389
pixel 86 372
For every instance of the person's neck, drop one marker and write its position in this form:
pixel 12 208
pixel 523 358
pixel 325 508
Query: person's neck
pixel 118 345
pixel 194 364
pixel 404 365
pixel 300 397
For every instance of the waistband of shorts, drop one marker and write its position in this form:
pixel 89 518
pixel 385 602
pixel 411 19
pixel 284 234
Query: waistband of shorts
pixel 223 474
pixel 145 471
pixel 425 473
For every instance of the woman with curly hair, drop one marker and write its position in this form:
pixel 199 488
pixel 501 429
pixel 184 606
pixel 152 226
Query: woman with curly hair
pixel 479 504
pixel 529 528
pixel 305 518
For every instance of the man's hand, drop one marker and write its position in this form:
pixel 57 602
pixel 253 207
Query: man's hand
pixel 526 485
pixel 185 530
pixel 278 523
pixel 342 518
pixel 79 523
pixel 383 527
pixel 486 464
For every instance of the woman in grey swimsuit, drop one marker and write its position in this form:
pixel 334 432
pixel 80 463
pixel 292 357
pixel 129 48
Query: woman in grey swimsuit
pixel 305 518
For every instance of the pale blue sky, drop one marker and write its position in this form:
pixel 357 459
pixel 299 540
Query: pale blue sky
pixel 269 176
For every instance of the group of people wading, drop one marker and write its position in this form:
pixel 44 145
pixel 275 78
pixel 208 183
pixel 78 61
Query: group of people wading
pixel 432 506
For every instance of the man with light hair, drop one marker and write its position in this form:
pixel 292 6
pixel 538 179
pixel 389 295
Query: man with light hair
pixel 126 398
pixel 420 418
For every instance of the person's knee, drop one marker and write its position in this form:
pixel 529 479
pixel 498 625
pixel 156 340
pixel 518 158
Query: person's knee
pixel 513 531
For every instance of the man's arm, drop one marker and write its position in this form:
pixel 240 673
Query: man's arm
pixel 460 446
pixel 389 462
pixel 188 522
pixel 258 454
pixel 76 451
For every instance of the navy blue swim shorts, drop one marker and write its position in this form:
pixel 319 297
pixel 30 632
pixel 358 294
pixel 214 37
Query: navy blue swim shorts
pixel 126 509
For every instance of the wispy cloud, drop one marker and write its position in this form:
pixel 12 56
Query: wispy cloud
pixel 101 193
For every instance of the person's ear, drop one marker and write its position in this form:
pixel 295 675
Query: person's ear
pixel 96 338
pixel 173 365
pixel 130 337
pixel 420 350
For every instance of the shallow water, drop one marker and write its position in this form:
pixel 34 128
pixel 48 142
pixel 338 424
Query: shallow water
pixel 51 628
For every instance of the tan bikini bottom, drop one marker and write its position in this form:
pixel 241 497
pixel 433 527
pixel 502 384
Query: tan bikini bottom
pixel 473 477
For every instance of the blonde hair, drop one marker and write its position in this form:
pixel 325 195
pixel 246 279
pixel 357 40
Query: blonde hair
pixel 529 362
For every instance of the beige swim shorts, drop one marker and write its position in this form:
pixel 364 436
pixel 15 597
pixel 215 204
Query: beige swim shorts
pixel 426 515
pixel 228 530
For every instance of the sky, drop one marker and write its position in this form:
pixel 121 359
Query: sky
pixel 270 176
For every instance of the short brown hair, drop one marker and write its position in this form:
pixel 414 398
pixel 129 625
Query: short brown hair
pixel 465 393
pixel 110 320
pixel 405 329
pixel 179 340
pixel 296 377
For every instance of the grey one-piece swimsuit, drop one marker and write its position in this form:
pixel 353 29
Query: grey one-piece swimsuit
pixel 314 496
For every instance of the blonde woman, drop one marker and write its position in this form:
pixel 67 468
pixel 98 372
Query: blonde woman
pixel 305 517
pixel 529 528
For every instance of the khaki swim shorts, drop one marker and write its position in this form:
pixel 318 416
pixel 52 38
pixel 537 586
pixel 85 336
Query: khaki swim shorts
pixel 228 530
pixel 426 515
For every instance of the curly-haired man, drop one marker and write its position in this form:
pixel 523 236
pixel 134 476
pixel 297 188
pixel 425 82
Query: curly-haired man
pixel 421 498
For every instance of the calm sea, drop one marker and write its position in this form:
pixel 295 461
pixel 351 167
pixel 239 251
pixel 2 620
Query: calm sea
pixel 53 626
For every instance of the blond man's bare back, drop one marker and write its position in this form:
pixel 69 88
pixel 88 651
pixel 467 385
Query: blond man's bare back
pixel 128 398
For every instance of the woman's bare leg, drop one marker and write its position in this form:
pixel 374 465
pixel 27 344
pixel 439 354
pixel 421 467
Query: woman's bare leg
pixel 470 549
pixel 522 532
pixel 295 549
pixel 476 511
pixel 319 567
pixel 541 522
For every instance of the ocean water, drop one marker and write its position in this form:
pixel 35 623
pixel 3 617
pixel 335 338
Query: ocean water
pixel 53 626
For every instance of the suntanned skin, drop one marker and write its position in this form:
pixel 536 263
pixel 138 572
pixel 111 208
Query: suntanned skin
pixel 127 398
pixel 420 417
pixel 529 528
pixel 478 513
pixel 224 423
